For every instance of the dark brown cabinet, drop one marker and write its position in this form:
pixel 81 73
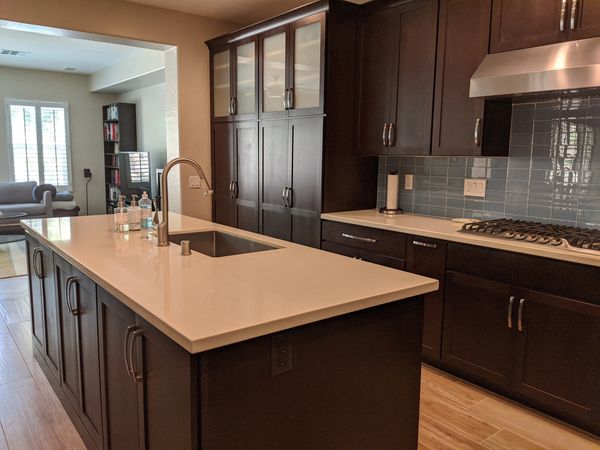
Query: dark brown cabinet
pixel 235 165
pixel 558 355
pixel 478 337
pixel 397 68
pixel 44 308
pixel 521 24
pixel 147 387
pixel 427 257
pixel 291 154
pixel 463 40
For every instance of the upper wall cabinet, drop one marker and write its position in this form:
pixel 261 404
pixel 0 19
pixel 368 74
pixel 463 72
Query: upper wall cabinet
pixel 234 77
pixel 521 24
pixel 463 40
pixel 292 68
pixel 397 65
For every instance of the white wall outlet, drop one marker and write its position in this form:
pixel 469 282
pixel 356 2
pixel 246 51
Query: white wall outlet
pixel 409 182
pixel 194 182
pixel 475 187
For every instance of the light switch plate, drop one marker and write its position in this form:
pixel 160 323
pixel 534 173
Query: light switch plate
pixel 475 187
pixel 408 182
pixel 194 182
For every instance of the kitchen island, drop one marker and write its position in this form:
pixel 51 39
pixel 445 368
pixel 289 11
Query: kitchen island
pixel 288 347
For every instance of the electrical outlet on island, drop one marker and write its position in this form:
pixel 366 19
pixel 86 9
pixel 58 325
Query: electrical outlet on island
pixel 194 182
pixel 475 187
pixel 408 182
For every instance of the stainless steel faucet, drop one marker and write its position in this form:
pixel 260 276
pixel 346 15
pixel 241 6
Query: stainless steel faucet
pixel 163 226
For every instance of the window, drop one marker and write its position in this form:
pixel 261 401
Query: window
pixel 139 167
pixel 38 142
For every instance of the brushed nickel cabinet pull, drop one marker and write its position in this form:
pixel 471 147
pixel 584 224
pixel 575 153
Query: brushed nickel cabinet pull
pixel 424 244
pixel 511 302
pixel 71 281
pixel 35 262
pixel 137 377
pixel 573 14
pixel 477 133
pixel 235 189
pixel 233 106
pixel 291 98
pixel 290 197
pixel 520 315
pixel 359 238
pixel 284 195
pixel 384 137
pixel 563 12
pixel 284 98
pixel 126 348
pixel 391 139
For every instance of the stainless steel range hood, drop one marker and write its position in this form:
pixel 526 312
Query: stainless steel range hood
pixel 568 65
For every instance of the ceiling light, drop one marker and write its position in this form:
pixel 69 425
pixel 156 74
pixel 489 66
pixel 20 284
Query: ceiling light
pixel 9 52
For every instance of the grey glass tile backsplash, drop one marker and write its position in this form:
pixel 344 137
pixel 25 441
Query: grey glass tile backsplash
pixel 552 174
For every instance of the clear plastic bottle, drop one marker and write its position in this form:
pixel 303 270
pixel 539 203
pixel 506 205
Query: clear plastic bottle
pixel 135 215
pixel 146 206
pixel 121 216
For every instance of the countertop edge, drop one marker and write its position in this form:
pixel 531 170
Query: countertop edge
pixel 235 336
pixel 464 238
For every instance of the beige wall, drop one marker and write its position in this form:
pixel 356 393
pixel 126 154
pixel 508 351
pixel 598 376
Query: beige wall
pixel 151 123
pixel 130 20
pixel 85 120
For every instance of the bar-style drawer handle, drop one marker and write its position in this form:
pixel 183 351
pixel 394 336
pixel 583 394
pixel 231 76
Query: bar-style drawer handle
pixel 424 244
pixel 359 238
pixel 511 302
pixel 520 315
pixel 563 11
pixel 573 14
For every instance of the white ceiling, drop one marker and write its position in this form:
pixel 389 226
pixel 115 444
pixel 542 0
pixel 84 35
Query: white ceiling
pixel 243 12
pixel 55 53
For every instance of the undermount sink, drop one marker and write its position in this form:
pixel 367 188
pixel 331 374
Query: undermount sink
pixel 217 243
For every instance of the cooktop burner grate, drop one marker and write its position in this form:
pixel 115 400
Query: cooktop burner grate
pixel 541 233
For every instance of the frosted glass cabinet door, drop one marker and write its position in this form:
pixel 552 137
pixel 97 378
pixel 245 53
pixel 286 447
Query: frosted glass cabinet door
pixel 221 83
pixel 246 79
pixel 307 66
pixel 274 74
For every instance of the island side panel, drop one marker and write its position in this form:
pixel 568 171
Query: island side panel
pixel 350 382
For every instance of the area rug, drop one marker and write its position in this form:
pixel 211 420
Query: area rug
pixel 13 260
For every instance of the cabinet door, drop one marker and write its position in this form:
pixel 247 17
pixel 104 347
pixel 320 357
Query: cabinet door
pixel 274 72
pixel 36 293
pixel 69 373
pixel 478 339
pixel 584 21
pixel 427 257
pixel 221 84
pixel 463 40
pixel 558 356
pixel 223 162
pixel 304 195
pixel 379 43
pixel 521 24
pixel 121 394
pixel 245 189
pixel 168 378
pixel 51 318
pixel 275 217
pixel 411 119
pixel 245 98
pixel 307 65
pixel 83 300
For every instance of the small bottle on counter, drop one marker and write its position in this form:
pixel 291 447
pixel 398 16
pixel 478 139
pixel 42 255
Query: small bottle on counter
pixel 121 216
pixel 135 215
pixel 146 206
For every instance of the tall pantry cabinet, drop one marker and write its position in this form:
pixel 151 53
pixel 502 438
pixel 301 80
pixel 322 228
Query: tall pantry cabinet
pixel 283 123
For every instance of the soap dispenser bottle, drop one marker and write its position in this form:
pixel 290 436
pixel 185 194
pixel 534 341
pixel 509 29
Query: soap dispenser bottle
pixel 121 216
pixel 135 215
pixel 146 206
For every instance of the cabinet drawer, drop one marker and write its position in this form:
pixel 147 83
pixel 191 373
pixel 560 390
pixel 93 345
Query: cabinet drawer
pixel 375 258
pixel 386 243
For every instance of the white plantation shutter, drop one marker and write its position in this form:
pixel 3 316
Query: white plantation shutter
pixel 39 142
pixel 139 167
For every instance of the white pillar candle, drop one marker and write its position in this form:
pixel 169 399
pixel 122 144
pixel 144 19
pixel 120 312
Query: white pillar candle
pixel 392 191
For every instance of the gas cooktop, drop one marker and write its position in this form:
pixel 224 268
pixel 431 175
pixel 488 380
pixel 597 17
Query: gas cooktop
pixel 573 238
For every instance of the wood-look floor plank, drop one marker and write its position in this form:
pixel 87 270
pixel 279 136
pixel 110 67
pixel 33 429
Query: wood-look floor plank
pixel 507 440
pixel 21 333
pixel 449 389
pixel 14 310
pixel 436 435
pixel 31 422
pixel 12 364
pixel 14 288
pixel 533 426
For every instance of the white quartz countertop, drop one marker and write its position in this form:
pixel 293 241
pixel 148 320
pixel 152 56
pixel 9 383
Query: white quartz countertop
pixel 446 229
pixel 203 302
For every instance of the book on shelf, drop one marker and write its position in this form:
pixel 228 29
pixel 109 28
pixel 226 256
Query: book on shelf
pixel 112 112
pixel 111 131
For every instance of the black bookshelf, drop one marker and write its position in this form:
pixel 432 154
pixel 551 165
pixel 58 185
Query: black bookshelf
pixel 120 135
